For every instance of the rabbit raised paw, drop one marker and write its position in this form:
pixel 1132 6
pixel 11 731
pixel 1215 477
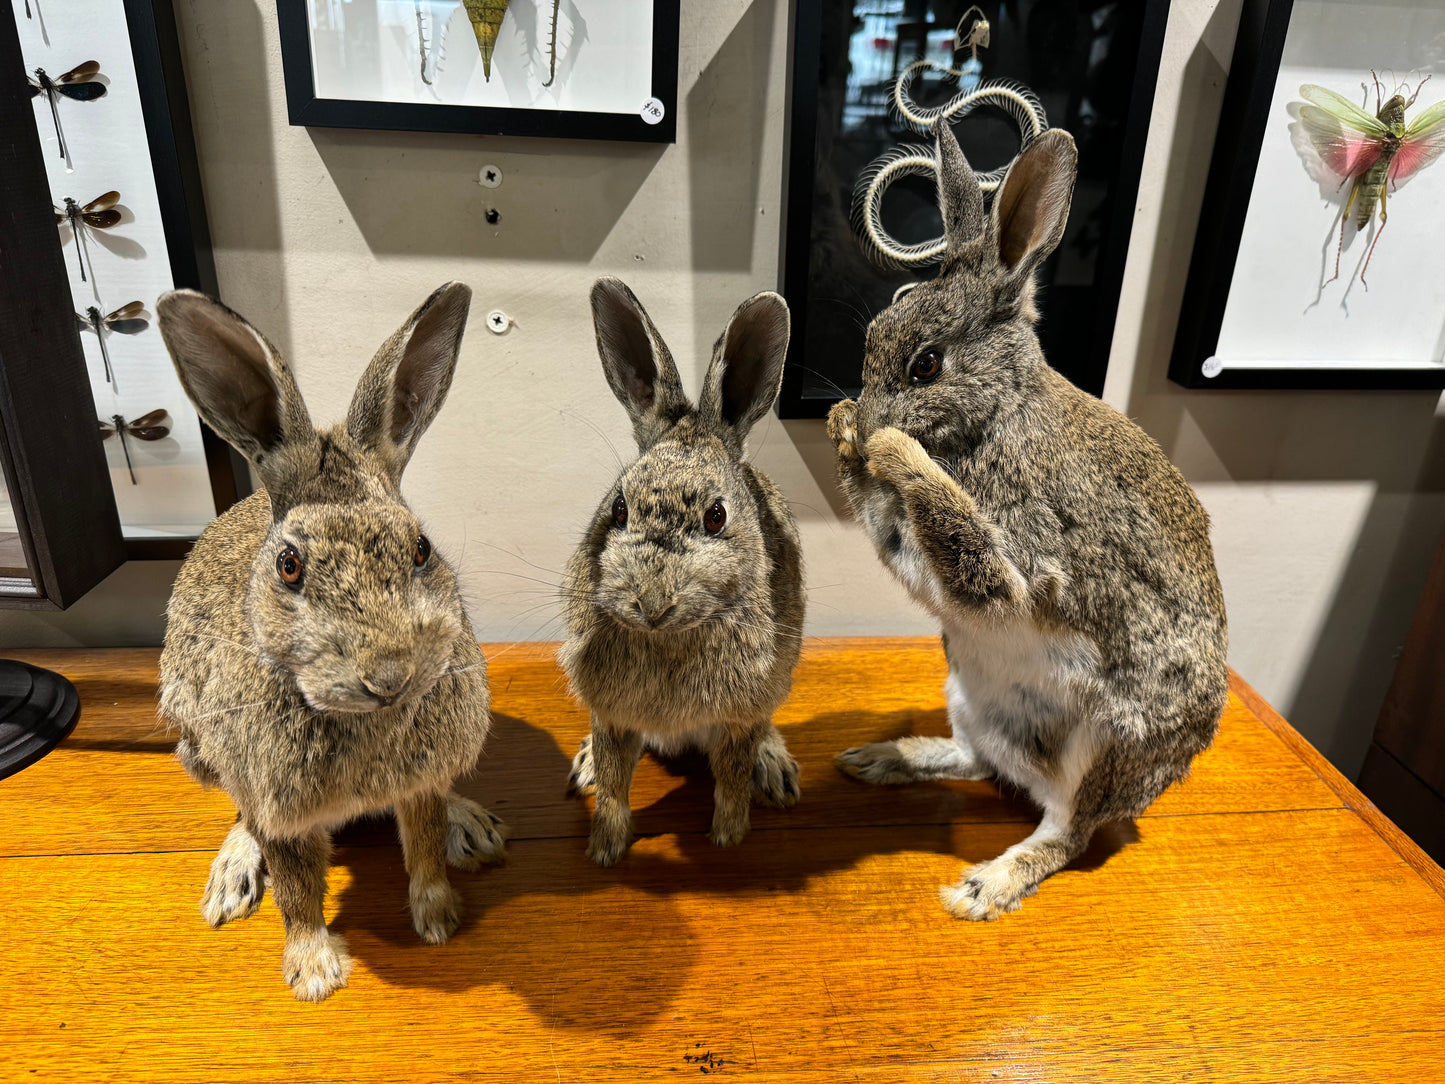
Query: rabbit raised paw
pixel 318 663
pixel 685 599
pixel 1067 559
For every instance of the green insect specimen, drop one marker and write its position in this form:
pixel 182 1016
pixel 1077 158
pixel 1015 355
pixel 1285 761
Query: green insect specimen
pixel 1376 154
pixel 486 17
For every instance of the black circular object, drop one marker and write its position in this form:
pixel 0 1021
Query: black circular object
pixel 38 708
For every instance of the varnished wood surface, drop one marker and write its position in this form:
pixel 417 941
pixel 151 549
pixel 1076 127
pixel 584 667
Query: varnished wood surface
pixel 1262 922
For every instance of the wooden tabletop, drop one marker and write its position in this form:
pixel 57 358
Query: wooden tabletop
pixel 1262 922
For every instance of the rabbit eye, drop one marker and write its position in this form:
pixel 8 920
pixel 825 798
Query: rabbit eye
pixel 924 369
pixel 423 551
pixel 619 512
pixel 289 567
pixel 714 518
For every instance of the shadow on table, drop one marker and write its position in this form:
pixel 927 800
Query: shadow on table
pixel 616 963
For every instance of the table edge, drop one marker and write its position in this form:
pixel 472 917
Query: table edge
pixel 1355 801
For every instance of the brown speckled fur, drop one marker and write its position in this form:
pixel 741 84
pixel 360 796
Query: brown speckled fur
pixel 358 690
pixel 719 659
pixel 1068 559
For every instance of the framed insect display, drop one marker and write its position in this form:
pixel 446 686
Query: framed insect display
pixel 1314 262
pixel 115 137
pixel 578 69
pixel 870 78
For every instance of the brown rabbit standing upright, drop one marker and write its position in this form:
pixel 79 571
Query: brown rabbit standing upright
pixel 318 663
pixel 1066 557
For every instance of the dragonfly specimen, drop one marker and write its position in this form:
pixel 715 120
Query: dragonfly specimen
pixel 152 426
pixel 80 83
pixel 1376 154
pixel 486 18
pixel 126 320
pixel 99 213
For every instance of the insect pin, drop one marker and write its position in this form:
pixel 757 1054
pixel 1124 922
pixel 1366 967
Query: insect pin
pixel 152 426
pixel 126 320
pixel 81 83
pixel 1374 154
pixel 99 213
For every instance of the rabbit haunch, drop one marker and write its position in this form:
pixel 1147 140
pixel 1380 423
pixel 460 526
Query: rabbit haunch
pixel 1066 558
pixel 318 662
pixel 684 600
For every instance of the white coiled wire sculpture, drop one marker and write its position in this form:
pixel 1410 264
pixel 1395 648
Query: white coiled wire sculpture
pixel 911 160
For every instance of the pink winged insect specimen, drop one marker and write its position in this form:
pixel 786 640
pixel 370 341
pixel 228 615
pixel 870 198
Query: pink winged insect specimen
pixel 1377 154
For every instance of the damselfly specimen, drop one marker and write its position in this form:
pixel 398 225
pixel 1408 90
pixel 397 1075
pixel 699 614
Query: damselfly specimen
pixel 152 426
pixel 99 213
pixel 126 320
pixel 1377 154
pixel 80 83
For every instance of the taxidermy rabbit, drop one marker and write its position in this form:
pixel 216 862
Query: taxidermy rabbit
pixel 318 663
pixel 1066 557
pixel 685 598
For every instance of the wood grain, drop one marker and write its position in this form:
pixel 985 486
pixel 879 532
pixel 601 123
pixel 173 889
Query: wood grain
pixel 1253 926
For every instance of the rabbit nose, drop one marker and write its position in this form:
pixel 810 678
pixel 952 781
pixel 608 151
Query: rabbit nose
pixel 656 612
pixel 388 680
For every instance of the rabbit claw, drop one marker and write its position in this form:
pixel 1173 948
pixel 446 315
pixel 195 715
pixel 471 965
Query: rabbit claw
pixel 583 778
pixel 435 911
pixel 316 965
pixel 988 890
pixel 237 883
pixel 474 836
pixel 775 776
pixel 843 429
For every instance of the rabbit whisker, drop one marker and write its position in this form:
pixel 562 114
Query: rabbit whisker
pixel 518 556
pixel 598 430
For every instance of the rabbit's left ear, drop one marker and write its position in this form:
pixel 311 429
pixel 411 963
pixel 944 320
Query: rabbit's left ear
pixel 747 366
pixel 1031 207
pixel 405 384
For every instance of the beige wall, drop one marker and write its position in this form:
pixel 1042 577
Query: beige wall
pixel 1326 507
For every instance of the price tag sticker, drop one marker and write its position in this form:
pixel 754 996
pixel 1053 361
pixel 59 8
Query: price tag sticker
pixel 653 111
pixel 1212 367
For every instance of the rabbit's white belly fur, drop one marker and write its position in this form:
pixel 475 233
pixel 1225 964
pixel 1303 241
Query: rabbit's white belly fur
pixel 1013 686
pixel 1015 690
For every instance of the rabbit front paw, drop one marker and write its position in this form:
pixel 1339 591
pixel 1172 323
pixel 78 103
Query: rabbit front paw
pixel 474 836
pixel 897 458
pixel 236 884
pixel 986 891
pixel 609 840
pixel 775 776
pixel 436 911
pixel 315 964
pixel 583 777
pixel 843 429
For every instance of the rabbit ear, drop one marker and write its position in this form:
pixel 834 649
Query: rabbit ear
pixel 639 368
pixel 747 365
pixel 405 384
pixel 241 387
pixel 959 196
pixel 1032 205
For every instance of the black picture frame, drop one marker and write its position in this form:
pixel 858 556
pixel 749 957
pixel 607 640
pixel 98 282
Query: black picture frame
pixel 161 81
pixel 305 108
pixel 54 469
pixel 151 34
pixel 1086 365
pixel 1245 116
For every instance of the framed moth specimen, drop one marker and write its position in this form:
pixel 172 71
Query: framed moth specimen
pixel 107 94
pixel 1313 264
pixel 579 69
